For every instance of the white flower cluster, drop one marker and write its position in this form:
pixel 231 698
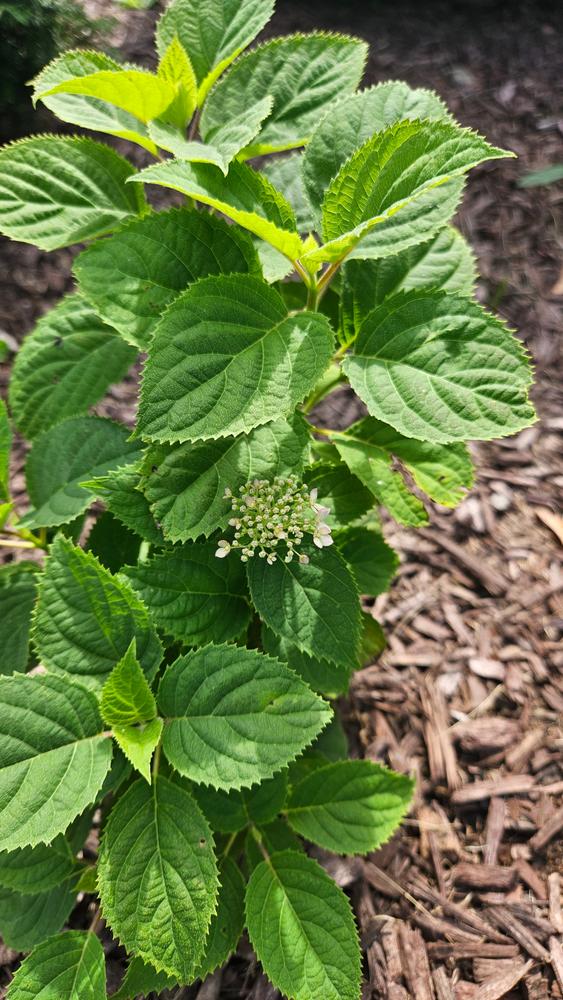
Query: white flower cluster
pixel 271 520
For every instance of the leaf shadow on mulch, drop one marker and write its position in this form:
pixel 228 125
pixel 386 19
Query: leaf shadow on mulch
pixel 464 903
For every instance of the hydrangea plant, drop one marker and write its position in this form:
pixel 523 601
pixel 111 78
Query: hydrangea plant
pixel 170 655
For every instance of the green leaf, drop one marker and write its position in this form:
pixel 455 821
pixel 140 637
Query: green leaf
pixel 385 196
pixel 315 606
pixel 443 472
pixel 186 489
pixel 70 965
pixel 243 195
pixel 126 697
pixel 113 545
pixel 440 368
pixel 136 91
pixel 86 618
pixel 232 811
pixel 354 120
pixel 158 876
pixel 176 68
pixel 227 924
pixel 302 929
pixel 324 677
pixel 226 358
pixel 131 278
pixel 235 716
pixel 302 73
pixel 49 778
pixel 373 640
pixel 285 173
pixel 139 743
pixel 5 449
pixel 374 467
pixel 61 458
pixel 25 921
pixel 121 495
pixel 372 561
pixel 549 175
pixel 191 595
pixel 18 589
pixel 60 190
pixel 31 870
pixel 332 742
pixel 64 366
pixel 445 262
pixel 213 32
pixel 142 979
pixel 79 109
pixel 337 489
pixel 350 807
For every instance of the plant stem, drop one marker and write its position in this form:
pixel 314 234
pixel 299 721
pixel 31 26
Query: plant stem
pixel 327 276
pixel 229 843
pixel 156 760
pixel 258 838
pixel 331 379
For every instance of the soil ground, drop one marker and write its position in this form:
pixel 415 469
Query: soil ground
pixel 464 903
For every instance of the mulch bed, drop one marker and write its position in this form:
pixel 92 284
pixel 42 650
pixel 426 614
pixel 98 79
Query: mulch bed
pixel 465 902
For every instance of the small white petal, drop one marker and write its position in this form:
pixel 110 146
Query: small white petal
pixel 222 552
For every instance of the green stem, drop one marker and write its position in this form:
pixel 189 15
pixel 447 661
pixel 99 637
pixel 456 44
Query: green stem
pixel 327 276
pixel 229 843
pixel 331 379
pixel 156 760
pixel 258 838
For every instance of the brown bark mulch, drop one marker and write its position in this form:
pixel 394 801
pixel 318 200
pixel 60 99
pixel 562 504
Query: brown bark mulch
pixel 465 902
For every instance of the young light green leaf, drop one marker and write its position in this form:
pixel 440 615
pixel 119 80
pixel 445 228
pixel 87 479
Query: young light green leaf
pixel 158 877
pixel 235 716
pixel 5 449
pixel 243 195
pixel 31 870
pixel 131 278
pixel 136 91
pixel 88 112
pixel 213 32
pixel 18 590
pixel 226 358
pixel 232 811
pixel 64 366
pixel 350 807
pixel 338 490
pixel 227 924
pixel 25 921
pixel 302 73
pixel 60 190
pixel 86 618
pixel 126 697
pixel 121 494
pixel 142 979
pixel 286 174
pixel 327 678
pixel 354 120
pixel 61 458
pixel 191 595
pixel 443 472
pixel 47 780
pixel 383 199
pixel 372 561
pixel 187 485
pixel 176 68
pixel 315 606
pixel 302 929
pixel 439 368
pixel 374 468
pixel 70 965
pixel 446 262
pixel 139 743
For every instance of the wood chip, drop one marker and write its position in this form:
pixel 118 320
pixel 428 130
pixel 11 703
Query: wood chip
pixel 503 918
pixel 531 878
pixel 556 956
pixel 494 829
pixel 479 790
pixel 492 581
pixel 547 831
pixel 484 877
pixel 442 985
pixel 414 959
pixel 494 989
pixel 555 914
